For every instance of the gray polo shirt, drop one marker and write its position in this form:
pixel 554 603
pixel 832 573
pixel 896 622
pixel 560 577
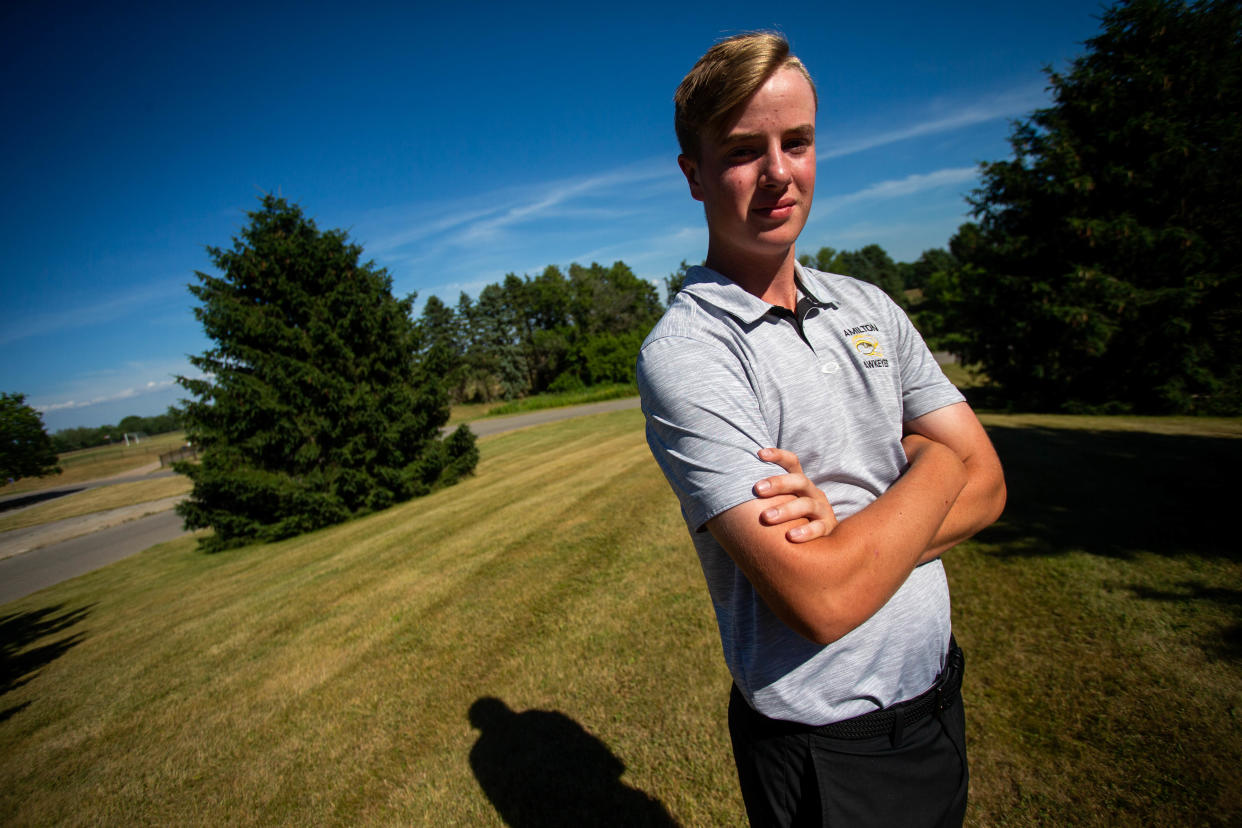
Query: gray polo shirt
pixel 724 374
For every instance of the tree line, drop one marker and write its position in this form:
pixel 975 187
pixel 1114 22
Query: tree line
pixel 569 329
pixel 82 437
pixel 560 330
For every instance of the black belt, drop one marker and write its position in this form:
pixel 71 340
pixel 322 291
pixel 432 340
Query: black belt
pixel 891 720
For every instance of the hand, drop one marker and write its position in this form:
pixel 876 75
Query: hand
pixel 809 502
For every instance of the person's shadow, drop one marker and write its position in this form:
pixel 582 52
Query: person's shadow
pixel 541 768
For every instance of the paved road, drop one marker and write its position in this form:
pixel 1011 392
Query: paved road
pixel 31 571
pixel 49 565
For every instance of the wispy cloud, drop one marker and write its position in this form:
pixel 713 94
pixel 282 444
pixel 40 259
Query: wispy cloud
pixel 654 252
pixel 1008 104
pixel 123 394
pixel 389 233
pixel 557 198
pixel 482 230
pixel 416 225
pixel 118 305
pixel 899 188
pixel 134 379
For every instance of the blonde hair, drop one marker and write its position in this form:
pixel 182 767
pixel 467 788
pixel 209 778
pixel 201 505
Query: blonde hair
pixel 723 80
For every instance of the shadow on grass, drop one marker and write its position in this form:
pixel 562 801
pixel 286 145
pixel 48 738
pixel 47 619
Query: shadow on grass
pixel 1116 493
pixel 18 660
pixel 541 768
pixel 1229 643
pixel 36 497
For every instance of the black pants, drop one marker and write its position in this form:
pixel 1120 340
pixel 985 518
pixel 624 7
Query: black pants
pixel 794 775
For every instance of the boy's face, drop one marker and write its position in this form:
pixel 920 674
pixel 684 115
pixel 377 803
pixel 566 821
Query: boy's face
pixel 756 182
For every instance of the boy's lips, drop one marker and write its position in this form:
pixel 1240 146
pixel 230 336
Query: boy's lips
pixel 781 209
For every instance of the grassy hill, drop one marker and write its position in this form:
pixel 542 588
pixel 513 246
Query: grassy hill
pixel 99 462
pixel 537 643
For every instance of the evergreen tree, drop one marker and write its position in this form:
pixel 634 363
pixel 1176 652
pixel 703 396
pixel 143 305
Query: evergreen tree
pixel 870 264
pixel 25 448
pixel 442 352
pixel 315 406
pixel 557 332
pixel 934 277
pixel 1104 268
pixel 873 264
pixel 821 260
pixel 673 282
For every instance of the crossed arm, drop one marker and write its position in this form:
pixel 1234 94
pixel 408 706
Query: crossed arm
pixel 824 577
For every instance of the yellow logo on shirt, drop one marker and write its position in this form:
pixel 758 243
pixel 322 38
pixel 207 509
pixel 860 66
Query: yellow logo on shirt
pixel 868 346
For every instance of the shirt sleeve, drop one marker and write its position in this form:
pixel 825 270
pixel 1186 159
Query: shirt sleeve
pixel 704 425
pixel 924 387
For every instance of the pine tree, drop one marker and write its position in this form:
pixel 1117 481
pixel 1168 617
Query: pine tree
pixel 1104 268
pixel 314 406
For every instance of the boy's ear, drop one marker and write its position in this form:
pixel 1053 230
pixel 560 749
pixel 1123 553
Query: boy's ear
pixel 690 169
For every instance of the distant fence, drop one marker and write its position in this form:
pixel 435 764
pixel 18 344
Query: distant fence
pixel 183 453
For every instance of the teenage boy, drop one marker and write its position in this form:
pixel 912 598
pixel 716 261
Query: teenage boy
pixel 830 597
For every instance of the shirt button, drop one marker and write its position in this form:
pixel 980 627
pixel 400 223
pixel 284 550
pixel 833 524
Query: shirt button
pixel 829 367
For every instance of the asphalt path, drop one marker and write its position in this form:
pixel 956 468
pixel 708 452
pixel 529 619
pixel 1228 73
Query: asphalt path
pixel 47 566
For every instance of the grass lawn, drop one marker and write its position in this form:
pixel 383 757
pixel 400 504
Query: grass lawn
pixel 536 646
pixel 102 461
pixel 96 500
pixel 465 412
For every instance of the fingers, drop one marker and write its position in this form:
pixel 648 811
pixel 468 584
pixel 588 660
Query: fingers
pixel 811 531
pixel 785 459
pixel 803 507
pixel 794 484
pixel 809 503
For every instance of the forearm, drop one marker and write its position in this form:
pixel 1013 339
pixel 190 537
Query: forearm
pixel 977 507
pixel 982 499
pixel 888 538
pixel 827 587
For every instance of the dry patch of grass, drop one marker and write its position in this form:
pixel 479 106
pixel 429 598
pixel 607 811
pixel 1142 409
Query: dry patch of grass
pixel 962 376
pixel 536 644
pixel 465 412
pixel 96 500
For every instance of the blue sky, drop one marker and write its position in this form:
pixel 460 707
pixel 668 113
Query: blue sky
pixel 456 142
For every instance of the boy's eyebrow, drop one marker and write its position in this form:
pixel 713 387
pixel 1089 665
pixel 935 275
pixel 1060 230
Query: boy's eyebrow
pixel 804 130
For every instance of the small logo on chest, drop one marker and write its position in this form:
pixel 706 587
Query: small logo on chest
pixel 866 342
